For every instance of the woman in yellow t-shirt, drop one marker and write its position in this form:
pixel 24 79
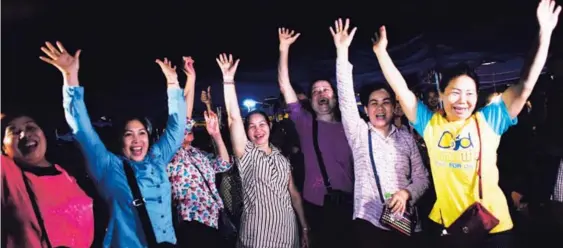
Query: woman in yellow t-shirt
pixel 458 137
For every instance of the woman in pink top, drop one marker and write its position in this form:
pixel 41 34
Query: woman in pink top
pixel 42 205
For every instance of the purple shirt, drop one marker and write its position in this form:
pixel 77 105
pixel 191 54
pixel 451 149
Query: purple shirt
pixel 336 153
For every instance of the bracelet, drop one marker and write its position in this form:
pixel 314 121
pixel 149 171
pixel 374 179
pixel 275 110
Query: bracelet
pixel 306 229
pixel 229 82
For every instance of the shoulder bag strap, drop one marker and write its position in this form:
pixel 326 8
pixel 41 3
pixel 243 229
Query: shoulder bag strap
pixel 480 182
pixel 320 160
pixel 479 159
pixel 140 204
pixel 374 169
pixel 32 199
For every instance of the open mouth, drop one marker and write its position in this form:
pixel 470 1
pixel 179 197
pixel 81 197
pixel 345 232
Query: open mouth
pixel 460 110
pixel 259 136
pixel 323 101
pixel 380 117
pixel 28 146
pixel 136 150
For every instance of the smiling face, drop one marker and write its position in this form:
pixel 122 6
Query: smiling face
pixel 380 109
pixel 459 98
pixel 135 140
pixel 323 100
pixel 24 141
pixel 258 130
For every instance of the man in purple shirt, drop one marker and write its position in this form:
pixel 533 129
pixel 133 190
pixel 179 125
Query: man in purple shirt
pixel 328 203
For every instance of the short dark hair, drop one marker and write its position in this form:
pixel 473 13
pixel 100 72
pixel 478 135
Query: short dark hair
pixel 448 74
pixel 122 123
pixel 255 112
pixel 367 89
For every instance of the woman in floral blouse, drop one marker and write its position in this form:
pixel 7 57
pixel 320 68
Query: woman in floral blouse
pixel 192 174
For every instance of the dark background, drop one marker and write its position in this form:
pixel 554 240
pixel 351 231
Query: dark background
pixel 121 39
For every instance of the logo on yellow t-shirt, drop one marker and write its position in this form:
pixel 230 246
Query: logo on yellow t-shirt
pixel 447 141
pixel 456 151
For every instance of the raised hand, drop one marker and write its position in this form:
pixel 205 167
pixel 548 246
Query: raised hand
pixel 548 15
pixel 342 38
pixel 169 71
pixel 189 67
pixel 211 123
pixel 287 37
pixel 206 96
pixel 380 40
pixel 228 66
pixel 60 58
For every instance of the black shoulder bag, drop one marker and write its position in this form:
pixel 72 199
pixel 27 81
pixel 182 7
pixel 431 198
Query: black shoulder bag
pixel 140 204
pixel 334 197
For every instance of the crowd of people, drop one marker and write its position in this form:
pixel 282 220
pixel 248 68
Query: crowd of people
pixel 330 176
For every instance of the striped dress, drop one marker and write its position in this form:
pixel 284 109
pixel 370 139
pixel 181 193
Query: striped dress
pixel 268 219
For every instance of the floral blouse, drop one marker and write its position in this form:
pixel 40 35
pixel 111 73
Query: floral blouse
pixel 189 188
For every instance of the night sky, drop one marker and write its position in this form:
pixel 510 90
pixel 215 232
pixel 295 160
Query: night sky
pixel 121 41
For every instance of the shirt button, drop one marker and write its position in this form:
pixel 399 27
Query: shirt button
pixel 159 201
pixel 162 216
pixel 158 186
pixel 164 231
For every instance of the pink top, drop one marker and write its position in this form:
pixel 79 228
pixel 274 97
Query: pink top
pixel 66 210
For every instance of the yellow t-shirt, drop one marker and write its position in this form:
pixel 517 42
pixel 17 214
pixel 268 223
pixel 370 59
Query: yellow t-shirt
pixel 453 148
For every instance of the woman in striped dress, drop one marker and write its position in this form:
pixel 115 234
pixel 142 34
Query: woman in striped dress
pixel 270 197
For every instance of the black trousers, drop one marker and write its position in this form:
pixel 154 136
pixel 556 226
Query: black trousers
pixel 495 240
pixel 330 227
pixel 194 234
pixel 370 236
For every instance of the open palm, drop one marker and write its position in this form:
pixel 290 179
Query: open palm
pixel 60 58
pixel 227 65
pixel 211 123
pixel 341 34
pixel 168 70
pixel 548 15
pixel 287 37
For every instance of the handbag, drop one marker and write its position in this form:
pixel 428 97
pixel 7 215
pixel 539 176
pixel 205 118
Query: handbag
pixel 334 198
pixel 226 226
pixel 405 223
pixel 476 220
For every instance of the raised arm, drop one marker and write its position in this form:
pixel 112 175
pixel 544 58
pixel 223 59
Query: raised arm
pixel 287 37
pixel 345 82
pixel 172 138
pixel 236 126
pixel 406 97
pixel 515 96
pixel 189 89
pixel 76 115
pixel 212 125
